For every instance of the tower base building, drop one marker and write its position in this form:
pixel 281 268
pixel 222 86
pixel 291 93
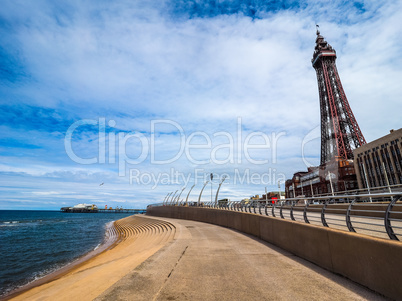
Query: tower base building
pixel 334 176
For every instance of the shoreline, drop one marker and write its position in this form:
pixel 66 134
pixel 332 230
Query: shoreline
pixel 135 238
pixel 111 238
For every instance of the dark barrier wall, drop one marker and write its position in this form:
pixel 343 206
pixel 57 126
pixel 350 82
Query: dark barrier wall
pixel 374 263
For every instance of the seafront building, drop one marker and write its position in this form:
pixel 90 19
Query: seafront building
pixel 379 163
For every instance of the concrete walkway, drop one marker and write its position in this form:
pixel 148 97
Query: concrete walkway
pixel 208 262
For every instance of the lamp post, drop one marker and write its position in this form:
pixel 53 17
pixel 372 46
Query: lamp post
pixel 330 182
pixel 216 197
pixel 166 197
pixel 199 198
pixel 178 197
pixel 279 190
pixel 367 183
pixel 189 194
pixel 171 199
pixel 386 177
pixel 311 186
pixel 212 177
pixel 294 192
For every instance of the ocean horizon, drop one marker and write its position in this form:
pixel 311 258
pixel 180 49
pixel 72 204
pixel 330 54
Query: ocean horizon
pixel 35 243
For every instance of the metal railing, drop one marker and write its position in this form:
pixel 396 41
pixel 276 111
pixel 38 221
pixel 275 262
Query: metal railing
pixel 381 217
pixel 397 188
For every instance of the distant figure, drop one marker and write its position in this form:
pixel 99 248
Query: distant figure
pixel 101 184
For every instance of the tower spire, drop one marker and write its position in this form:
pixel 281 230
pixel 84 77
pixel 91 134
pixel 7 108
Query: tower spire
pixel 340 133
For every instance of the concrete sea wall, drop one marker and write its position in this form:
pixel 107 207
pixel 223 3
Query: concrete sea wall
pixel 374 263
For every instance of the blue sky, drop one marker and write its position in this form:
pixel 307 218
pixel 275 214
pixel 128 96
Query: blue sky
pixel 152 74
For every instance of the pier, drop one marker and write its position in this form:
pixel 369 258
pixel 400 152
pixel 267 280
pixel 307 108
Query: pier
pixel 97 210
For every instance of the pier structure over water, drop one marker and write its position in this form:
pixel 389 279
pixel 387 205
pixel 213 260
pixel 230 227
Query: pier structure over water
pixel 97 210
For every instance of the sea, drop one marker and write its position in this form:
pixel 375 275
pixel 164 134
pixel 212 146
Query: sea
pixel 36 243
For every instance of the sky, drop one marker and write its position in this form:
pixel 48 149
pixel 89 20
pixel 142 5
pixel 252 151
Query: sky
pixel 120 103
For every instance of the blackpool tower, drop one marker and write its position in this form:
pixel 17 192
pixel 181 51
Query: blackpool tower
pixel 340 133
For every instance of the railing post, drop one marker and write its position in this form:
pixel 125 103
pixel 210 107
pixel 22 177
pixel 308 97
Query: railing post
pixel 291 211
pixel 266 210
pixel 273 210
pixel 324 222
pixel 387 222
pixel 305 213
pixel 348 220
pixel 280 211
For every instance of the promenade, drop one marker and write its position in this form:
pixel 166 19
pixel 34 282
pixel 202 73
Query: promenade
pixel 208 262
pixel 157 258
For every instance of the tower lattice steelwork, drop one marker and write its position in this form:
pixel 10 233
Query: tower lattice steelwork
pixel 339 128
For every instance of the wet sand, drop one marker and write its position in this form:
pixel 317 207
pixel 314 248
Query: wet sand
pixel 137 238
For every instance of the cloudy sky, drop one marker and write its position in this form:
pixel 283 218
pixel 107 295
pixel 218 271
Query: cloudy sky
pixel 147 97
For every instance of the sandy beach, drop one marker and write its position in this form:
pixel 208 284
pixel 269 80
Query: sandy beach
pixel 138 238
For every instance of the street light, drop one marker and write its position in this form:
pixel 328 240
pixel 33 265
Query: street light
pixel 367 183
pixel 189 194
pixel 279 190
pixel 199 198
pixel 330 181
pixel 171 199
pixel 166 197
pixel 311 186
pixel 178 198
pixel 211 176
pixel 216 197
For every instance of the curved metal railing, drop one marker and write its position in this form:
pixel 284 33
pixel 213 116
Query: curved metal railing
pixel 381 218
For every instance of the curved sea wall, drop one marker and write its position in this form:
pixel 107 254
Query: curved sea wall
pixel 373 262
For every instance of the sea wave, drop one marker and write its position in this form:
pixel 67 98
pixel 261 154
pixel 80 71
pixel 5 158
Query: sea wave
pixel 21 222
pixel 49 242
